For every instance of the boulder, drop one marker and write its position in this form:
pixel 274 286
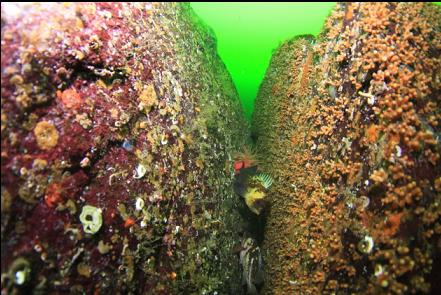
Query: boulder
pixel 118 124
pixel 349 127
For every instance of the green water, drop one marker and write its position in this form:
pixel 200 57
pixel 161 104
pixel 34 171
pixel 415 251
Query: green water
pixel 247 34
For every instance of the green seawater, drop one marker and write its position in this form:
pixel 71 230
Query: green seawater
pixel 247 33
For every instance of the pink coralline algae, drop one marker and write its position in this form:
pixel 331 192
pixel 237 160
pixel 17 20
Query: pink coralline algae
pixel 104 106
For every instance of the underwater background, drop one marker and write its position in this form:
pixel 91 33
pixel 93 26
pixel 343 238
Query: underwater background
pixel 248 33
pixel 195 148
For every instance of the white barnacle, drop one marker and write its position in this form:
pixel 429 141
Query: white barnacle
pixel 164 140
pixel 19 272
pixel 366 245
pixel 20 277
pixel 378 270
pixel 91 218
pixel 398 149
pixel 139 171
pixel 139 204
pixel 293 185
pixel 370 97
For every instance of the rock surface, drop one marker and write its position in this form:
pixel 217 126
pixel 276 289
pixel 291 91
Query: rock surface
pixel 118 123
pixel 349 126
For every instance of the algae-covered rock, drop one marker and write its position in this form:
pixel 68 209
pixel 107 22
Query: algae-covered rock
pixel 349 126
pixel 119 119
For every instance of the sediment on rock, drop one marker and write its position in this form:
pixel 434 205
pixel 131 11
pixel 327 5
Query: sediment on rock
pixel 348 125
pixel 118 124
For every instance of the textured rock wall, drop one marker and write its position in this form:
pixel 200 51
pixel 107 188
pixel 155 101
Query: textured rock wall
pixel 117 126
pixel 349 127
